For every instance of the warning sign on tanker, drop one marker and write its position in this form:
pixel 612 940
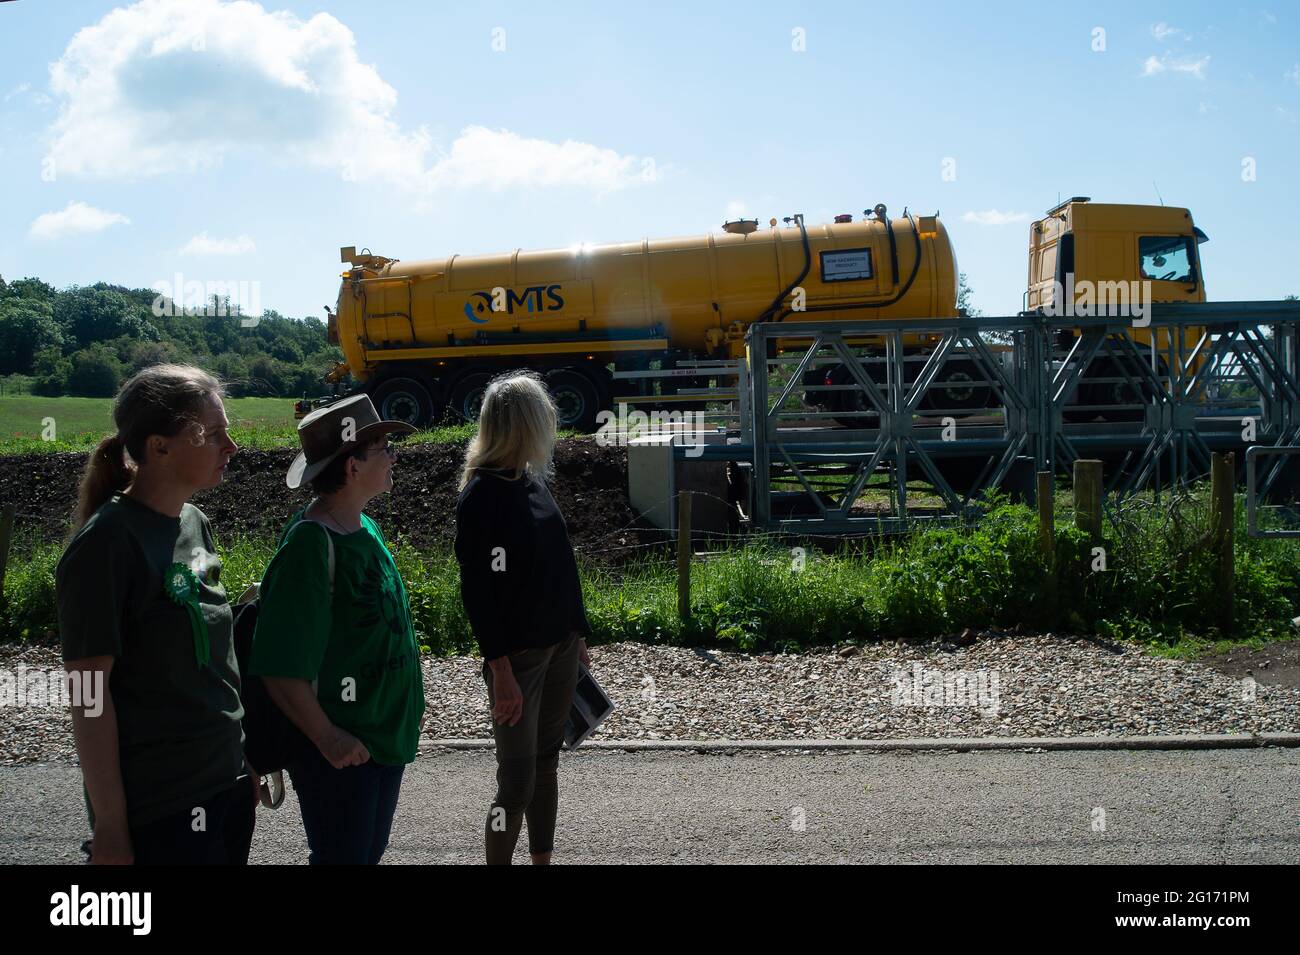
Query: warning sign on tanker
pixel 846 265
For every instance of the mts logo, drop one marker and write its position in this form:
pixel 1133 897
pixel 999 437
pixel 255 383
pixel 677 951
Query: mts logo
pixel 535 298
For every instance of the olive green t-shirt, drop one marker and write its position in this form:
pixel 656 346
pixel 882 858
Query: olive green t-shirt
pixel 179 736
pixel 360 645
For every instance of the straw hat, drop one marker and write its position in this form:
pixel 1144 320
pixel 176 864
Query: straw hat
pixel 322 434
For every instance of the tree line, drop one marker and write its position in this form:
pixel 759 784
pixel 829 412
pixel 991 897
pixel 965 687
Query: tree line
pixel 85 340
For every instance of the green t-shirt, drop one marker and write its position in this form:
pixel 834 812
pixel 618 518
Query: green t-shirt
pixel 179 737
pixel 360 645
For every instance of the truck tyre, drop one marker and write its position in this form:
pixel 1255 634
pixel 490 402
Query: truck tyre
pixel 960 388
pixel 403 399
pixel 1131 391
pixel 855 400
pixel 466 396
pixel 577 400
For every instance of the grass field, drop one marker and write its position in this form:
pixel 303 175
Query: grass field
pixel 32 423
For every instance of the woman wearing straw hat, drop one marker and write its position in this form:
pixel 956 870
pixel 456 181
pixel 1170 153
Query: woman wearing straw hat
pixel 520 586
pixel 334 640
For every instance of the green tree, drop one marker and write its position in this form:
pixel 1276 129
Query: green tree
pixel 51 371
pixel 27 326
pixel 233 370
pixel 287 350
pixel 30 288
pixel 964 296
pixel 142 354
pixel 95 315
pixel 96 372
pixel 270 377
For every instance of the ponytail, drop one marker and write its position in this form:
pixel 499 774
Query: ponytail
pixel 106 473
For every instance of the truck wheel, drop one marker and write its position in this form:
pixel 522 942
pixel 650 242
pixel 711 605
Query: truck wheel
pixel 1109 393
pixel 403 399
pixel 467 396
pixel 577 401
pixel 855 400
pixel 960 388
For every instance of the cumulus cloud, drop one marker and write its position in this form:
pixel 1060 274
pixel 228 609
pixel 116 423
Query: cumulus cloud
pixel 995 217
pixel 166 86
pixel 1166 63
pixel 202 245
pixel 76 218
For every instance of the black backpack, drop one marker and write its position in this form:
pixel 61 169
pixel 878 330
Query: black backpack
pixel 271 740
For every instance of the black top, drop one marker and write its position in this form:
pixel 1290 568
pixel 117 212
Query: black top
pixel 518 578
pixel 178 721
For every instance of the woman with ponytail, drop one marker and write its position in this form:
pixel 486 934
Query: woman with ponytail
pixel 144 616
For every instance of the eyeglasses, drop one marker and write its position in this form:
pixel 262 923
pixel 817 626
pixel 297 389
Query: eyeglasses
pixel 386 448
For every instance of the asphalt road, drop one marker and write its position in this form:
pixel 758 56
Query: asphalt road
pixel 1190 806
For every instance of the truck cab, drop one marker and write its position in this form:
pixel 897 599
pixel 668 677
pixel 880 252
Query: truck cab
pixel 1080 241
pixel 1090 259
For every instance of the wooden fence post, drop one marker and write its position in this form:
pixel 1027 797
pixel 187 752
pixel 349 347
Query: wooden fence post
pixel 1046 525
pixel 6 536
pixel 1222 525
pixel 684 555
pixel 1087 498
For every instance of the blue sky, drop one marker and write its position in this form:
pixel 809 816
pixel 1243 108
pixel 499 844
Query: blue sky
pixel 239 142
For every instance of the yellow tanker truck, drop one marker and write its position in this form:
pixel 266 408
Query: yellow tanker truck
pixel 425 336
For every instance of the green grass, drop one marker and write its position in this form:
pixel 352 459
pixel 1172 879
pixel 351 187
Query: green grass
pixel 31 423
pixel 1161 588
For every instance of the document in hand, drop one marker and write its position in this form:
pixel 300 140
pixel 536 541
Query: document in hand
pixel 591 705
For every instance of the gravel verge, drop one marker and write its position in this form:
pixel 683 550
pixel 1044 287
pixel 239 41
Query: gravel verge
pixel 998 685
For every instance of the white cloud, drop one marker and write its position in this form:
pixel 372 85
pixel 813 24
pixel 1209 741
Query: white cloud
pixel 1167 63
pixel 1163 31
pixel 202 245
pixel 1293 74
pixel 498 158
pixel 995 217
pixel 1266 17
pixel 1205 108
pixel 167 86
pixel 18 90
pixel 76 218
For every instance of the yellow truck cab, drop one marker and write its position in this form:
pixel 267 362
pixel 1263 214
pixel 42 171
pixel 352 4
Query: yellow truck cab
pixel 1101 243
pixel 1091 259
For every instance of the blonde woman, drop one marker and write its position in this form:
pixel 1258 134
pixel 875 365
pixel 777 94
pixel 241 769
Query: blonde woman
pixel 519 584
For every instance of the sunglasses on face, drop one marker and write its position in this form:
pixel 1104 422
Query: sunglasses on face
pixel 386 448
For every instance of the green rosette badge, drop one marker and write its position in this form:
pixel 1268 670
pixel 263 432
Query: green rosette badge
pixel 183 587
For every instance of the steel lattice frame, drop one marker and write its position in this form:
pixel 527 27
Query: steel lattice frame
pixel 1194 350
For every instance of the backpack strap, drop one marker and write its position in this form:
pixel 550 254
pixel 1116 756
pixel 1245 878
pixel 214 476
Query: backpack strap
pixel 329 547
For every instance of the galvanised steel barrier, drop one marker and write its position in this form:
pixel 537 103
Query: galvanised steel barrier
pixel 966 405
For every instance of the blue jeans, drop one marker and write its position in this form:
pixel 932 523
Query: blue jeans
pixel 348 813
